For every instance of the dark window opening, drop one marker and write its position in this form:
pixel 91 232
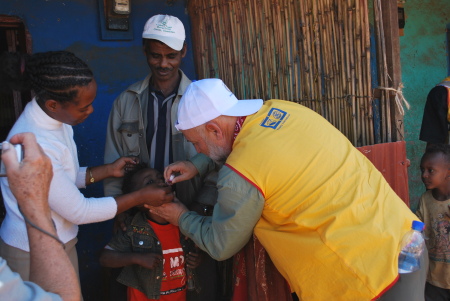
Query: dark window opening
pixel 13 38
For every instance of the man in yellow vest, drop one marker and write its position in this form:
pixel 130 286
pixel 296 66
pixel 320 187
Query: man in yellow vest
pixel 326 216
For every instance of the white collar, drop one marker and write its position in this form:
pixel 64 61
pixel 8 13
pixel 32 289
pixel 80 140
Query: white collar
pixel 40 117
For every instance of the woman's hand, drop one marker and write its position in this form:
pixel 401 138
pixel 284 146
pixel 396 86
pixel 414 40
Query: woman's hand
pixel 122 166
pixel 156 194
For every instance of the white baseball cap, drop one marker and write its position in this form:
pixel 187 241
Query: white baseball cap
pixel 210 98
pixel 167 29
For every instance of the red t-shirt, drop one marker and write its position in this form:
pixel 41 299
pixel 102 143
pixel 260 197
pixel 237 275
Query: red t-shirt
pixel 173 285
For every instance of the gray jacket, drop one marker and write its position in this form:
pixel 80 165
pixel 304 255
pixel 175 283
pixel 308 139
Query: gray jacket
pixel 126 135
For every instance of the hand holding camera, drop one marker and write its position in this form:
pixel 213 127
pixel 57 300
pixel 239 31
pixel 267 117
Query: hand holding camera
pixel 19 154
pixel 29 179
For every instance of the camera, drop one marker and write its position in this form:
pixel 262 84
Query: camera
pixel 19 152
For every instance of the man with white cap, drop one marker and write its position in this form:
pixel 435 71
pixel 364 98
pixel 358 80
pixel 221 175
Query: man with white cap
pixel 326 216
pixel 142 117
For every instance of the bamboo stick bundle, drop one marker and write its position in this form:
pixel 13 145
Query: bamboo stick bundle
pixel 249 81
pixel 385 110
pixel 257 21
pixel 337 61
pixel 265 42
pixel 282 51
pixel 205 50
pixel 251 36
pixel 312 56
pixel 291 43
pixel 359 91
pixel 302 69
pixel 230 22
pixel 367 70
pixel 269 49
pixel 230 27
pixel 278 48
pixel 337 87
pixel 274 52
pixel 315 96
pixel 219 26
pixel 328 13
pixel 334 50
pixel 252 77
pixel 349 58
pixel 288 56
pixel 275 10
pixel 377 21
pixel 387 106
pixel 386 81
pixel 226 19
pixel 327 57
pixel 315 52
pixel 360 73
pixel 327 60
pixel 206 46
pixel 343 65
pixel 318 45
pixel 226 40
pixel 347 25
pixel 246 73
pixel 307 90
pixel 213 16
pixel 239 52
pixel 355 111
pixel 297 51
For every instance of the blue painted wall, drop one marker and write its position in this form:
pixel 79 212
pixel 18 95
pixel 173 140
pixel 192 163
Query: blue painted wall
pixel 75 26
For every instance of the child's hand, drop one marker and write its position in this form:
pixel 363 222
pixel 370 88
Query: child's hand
pixel 148 260
pixel 194 259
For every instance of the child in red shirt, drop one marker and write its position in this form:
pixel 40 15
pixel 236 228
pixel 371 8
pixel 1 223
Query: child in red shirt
pixel 154 254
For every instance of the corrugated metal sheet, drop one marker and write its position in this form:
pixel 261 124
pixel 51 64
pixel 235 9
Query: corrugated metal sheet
pixel 390 159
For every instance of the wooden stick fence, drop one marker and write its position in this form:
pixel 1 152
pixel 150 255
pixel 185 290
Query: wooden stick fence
pixel 313 52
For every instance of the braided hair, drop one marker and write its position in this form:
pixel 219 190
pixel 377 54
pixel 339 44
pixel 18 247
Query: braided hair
pixel 51 75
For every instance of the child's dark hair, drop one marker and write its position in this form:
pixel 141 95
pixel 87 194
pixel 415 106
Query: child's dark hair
pixel 128 185
pixel 436 148
pixel 51 75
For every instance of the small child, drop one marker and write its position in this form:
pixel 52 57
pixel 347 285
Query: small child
pixel 434 211
pixel 152 251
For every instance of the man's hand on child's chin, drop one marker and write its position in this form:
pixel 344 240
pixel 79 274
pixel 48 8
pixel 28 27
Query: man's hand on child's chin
pixel 170 211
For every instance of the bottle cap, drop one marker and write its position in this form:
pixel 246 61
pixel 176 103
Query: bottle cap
pixel 417 225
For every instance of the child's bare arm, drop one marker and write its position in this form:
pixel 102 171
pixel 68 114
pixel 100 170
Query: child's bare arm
pixel 114 259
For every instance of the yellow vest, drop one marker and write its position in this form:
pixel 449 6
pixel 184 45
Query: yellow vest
pixel 331 223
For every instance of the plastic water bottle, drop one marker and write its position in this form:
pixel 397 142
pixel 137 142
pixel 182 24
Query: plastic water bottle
pixel 413 245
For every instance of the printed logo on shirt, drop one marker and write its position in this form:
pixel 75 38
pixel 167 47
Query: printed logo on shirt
pixel 275 119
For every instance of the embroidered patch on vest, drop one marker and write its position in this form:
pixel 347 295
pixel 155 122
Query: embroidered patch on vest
pixel 140 230
pixel 275 119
